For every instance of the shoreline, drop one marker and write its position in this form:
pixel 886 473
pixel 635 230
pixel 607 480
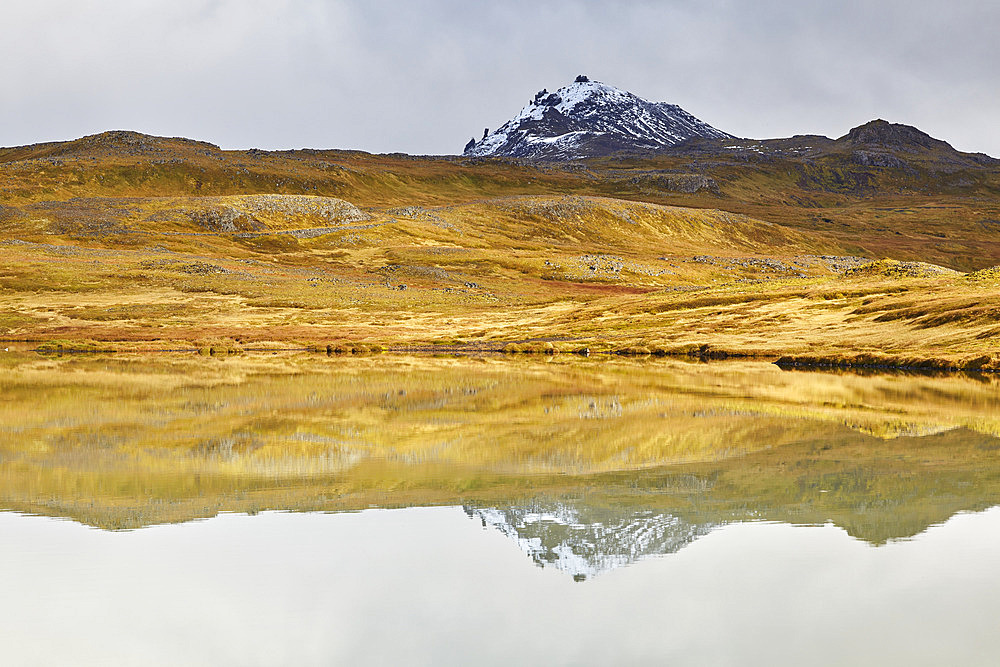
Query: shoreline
pixel 982 364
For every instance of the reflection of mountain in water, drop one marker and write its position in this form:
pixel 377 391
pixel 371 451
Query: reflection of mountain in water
pixel 586 541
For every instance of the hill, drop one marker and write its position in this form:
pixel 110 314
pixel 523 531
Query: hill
pixel 738 246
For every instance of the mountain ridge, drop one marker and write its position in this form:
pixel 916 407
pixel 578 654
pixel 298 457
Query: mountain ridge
pixel 590 119
pixel 876 134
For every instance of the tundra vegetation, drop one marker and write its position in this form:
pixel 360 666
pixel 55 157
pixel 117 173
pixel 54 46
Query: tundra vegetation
pixel 122 241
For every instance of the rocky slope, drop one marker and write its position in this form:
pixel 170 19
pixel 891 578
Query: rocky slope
pixel 590 119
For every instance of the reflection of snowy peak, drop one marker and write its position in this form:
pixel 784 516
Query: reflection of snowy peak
pixel 587 119
pixel 586 541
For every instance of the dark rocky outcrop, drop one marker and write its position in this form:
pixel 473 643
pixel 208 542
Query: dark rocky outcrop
pixel 883 134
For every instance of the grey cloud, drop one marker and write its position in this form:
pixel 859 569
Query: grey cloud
pixel 424 76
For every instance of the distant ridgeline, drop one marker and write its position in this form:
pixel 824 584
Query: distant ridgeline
pixel 587 119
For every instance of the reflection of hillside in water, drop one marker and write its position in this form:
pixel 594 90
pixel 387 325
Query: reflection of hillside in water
pixel 878 495
pixel 877 492
pixel 585 541
pixel 127 442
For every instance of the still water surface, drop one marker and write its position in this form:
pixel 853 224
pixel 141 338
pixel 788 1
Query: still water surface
pixel 427 586
pixel 302 510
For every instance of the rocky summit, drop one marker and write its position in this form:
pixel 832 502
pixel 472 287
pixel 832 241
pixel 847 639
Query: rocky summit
pixel 590 119
pixel 894 135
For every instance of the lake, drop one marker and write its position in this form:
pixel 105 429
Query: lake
pixel 278 508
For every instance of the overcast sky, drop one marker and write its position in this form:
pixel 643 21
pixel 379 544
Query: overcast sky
pixel 423 76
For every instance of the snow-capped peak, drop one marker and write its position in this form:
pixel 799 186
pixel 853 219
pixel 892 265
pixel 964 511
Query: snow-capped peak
pixel 569 97
pixel 588 118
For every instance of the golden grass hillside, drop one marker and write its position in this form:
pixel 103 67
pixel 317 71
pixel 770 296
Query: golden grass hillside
pixel 934 209
pixel 126 241
pixel 600 273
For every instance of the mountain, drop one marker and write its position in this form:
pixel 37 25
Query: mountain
pixel 590 119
